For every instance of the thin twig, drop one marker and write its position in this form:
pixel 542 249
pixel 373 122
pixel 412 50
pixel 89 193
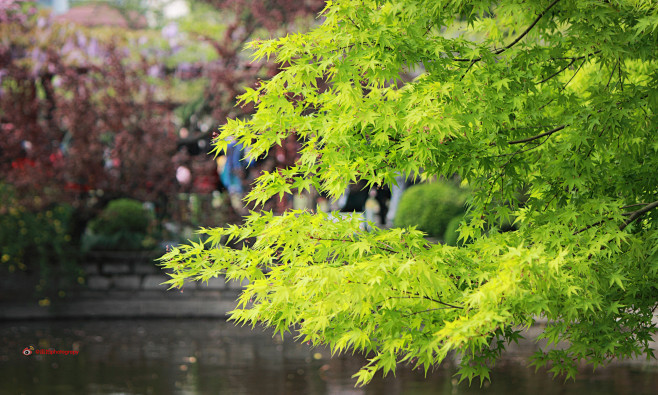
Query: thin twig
pixel 424 311
pixel 591 226
pixel 428 298
pixel 565 85
pixel 429 28
pixel 385 247
pixel 414 296
pixel 614 68
pixel 468 69
pixel 510 45
pixel 354 23
pixel 548 133
pixel 521 151
pixel 557 72
pixel 578 57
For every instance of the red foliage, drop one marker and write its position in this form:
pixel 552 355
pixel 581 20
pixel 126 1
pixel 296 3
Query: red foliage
pixel 78 115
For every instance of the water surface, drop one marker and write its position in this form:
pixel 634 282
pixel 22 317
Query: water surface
pixel 215 357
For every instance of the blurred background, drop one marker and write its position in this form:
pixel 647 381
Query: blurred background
pixel 107 112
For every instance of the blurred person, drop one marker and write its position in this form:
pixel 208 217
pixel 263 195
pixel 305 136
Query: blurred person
pixel 233 174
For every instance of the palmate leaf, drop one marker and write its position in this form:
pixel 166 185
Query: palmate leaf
pixel 550 120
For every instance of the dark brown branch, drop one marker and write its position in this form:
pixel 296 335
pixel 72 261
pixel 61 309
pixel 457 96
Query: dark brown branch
pixel 637 214
pixel 424 311
pixel 558 72
pixel 510 45
pixel 470 66
pixel 353 23
pixel 577 57
pixel 632 216
pixel 548 133
pixel 516 40
pixel 416 296
pixel 591 226
pixel 565 85
pixel 611 74
pixel 519 151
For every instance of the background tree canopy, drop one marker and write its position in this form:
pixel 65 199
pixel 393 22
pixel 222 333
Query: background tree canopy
pixel 546 109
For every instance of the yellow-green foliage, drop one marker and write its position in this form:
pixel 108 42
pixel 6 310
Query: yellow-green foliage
pixel 556 103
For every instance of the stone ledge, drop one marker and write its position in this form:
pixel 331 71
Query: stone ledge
pixel 119 308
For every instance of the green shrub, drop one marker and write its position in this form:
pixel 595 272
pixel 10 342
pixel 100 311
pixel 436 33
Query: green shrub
pixel 123 225
pixel 121 215
pixel 430 207
pixel 37 241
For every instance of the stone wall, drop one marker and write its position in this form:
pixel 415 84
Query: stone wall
pixel 128 285
pixel 138 271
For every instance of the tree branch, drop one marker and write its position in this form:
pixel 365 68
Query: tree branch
pixel 516 40
pixel 416 296
pixel 510 45
pixel 591 226
pixel 637 214
pixel 558 72
pixel 548 133
pixel 632 216
pixel 424 311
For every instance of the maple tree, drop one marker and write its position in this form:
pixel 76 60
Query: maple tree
pixel 546 109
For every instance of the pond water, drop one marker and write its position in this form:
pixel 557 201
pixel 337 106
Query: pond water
pixel 215 357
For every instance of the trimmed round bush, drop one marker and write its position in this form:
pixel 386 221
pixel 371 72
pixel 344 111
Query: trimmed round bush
pixel 122 215
pixel 122 225
pixel 430 207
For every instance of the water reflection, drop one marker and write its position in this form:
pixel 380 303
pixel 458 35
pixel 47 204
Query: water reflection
pixel 214 357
